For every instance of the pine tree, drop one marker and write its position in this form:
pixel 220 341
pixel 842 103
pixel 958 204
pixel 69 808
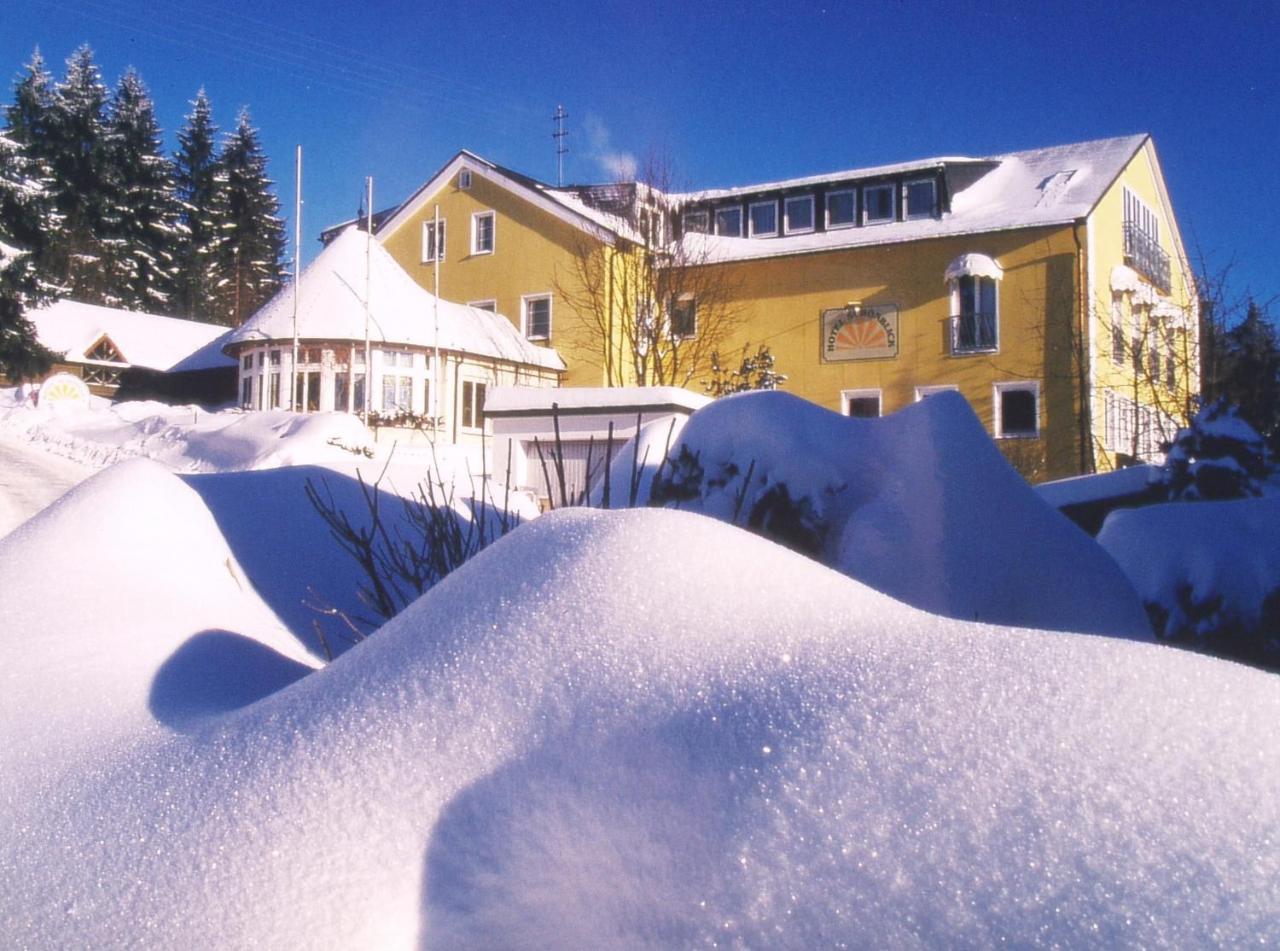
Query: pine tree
pixel 81 262
pixel 28 116
pixel 141 212
pixel 1219 456
pixel 197 183
pixel 24 219
pixel 1249 366
pixel 250 270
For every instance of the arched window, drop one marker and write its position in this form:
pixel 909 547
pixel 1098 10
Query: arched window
pixel 973 280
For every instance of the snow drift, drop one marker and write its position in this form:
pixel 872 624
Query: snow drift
pixel 1204 567
pixel 920 505
pixel 101 590
pixel 646 728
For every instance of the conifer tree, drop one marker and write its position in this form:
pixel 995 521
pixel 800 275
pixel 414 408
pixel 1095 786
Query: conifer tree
pixel 249 255
pixel 24 219
pixel 197 183
pixel 28 117
pixel 141 212
pixel 77 158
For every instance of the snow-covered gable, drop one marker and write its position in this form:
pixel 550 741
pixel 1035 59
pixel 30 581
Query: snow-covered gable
pixel 331 306
pixel 563 203
pixel 73 330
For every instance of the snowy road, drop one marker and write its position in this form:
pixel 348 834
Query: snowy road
pixel 30 479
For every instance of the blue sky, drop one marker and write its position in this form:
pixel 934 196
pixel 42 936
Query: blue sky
pixel 732 92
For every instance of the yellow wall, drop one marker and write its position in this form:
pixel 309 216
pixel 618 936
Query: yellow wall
pixel 782 300
pixel 1142 177
pixel 533 249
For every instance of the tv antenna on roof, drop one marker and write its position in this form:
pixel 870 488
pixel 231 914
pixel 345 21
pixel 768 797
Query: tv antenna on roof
pixel 561 148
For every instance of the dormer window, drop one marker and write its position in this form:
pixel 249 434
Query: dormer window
pixel 921 199
pixel 798 214
pixel 696 222
pixel 763 218
pixel 729 221
pixel 842 209
pixel 878 202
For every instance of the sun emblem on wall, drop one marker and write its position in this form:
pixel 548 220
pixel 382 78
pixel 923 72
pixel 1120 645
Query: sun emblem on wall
pixel 863 332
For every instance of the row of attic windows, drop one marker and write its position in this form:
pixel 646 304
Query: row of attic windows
pixel 843 206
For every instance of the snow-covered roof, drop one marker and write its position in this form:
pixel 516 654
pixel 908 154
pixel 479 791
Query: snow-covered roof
pixel 1038 187
pixel 529 399
pixel 332 307
pixel 72 329
pixel 828 178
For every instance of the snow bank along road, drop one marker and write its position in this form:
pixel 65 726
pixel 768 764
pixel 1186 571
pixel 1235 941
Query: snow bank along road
pixel 30 479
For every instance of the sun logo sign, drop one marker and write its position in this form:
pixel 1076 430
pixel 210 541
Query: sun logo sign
pixel 857 332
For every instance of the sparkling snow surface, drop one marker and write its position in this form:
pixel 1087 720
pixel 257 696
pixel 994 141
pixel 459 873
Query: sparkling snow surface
pixel 919 504
pixel 613 729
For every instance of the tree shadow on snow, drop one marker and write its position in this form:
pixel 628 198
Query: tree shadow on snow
pixel 216 672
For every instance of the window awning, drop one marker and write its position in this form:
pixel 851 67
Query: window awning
pixel 974 265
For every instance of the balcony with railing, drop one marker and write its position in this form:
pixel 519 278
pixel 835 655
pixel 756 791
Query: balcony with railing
pixel 974 333
pixel 1144 254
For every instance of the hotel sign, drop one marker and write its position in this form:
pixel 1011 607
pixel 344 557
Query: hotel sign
pixel 857 332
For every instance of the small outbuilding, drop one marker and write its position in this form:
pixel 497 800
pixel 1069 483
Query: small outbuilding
pixel 581 427
pixel 129 354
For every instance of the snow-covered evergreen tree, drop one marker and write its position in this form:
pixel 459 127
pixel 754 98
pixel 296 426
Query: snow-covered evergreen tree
pixel 250 268
pixel 197 185
pixel 1219 456
pixel 141 213
pixel 80 183
pixel 28 117
pixel 24 219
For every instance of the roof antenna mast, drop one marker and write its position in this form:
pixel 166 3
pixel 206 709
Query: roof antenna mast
pixel 561 148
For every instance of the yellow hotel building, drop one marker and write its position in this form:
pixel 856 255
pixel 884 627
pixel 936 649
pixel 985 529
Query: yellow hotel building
pixel 1049 287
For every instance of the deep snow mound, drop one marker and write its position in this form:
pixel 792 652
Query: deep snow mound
pixel 100 590
pixel 920 505
pixel 1207 571
pixel 647 729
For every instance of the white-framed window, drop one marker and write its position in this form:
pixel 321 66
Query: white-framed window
pixel 1117 329
pixel 975 309
pixel 842 208
pixel 473 395
pixel 246 392
pixel 490 305
pixel 924 392
pixel 535 316
pixel 432 241
pixel 464 179
pixel 797 214
pixel 1017 409
pixel 920 199
pixel 684 316
pixel 1135 429
pixel 762 218
pixel 397 381
pixel 877 203
pixel 729 221
pixel 863 404
pixel 696 222
pixel 482 232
